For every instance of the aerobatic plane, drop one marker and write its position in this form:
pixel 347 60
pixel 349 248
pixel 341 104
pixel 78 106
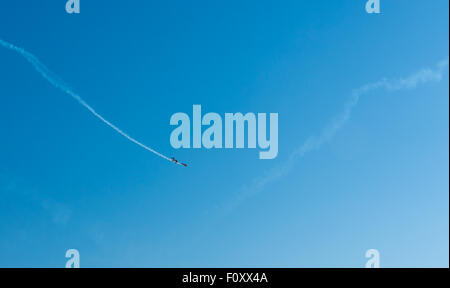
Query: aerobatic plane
pixel 176 162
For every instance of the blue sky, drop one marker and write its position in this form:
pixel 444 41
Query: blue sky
pixel 68 181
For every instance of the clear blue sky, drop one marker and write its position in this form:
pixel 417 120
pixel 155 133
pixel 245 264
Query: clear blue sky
pixel 68 181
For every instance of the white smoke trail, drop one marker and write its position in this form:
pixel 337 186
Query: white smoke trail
pixel 57 83
pixel 315 142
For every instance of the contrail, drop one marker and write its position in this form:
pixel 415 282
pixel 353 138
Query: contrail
pixel 57 83
pixel 312 143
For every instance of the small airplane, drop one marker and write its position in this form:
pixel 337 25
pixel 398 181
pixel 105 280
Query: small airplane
pixel 176 162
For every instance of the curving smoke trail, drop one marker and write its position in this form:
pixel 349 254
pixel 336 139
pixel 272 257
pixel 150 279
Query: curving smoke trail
pixel 58 83
pixel 313 143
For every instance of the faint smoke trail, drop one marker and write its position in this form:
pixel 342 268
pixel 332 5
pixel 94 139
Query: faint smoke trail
pixel 315 142
pixel 57 83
